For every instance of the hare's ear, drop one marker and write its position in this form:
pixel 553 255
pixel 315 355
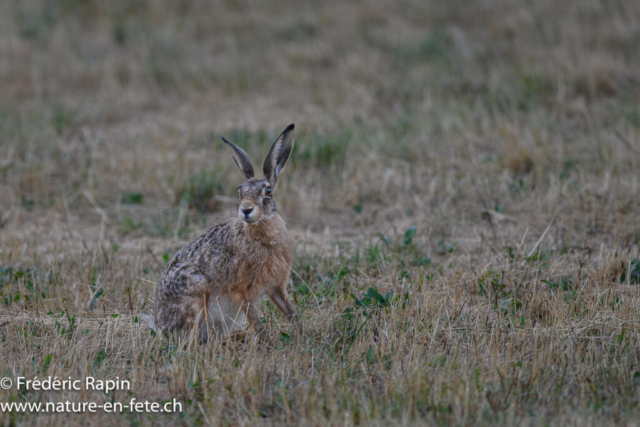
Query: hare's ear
pixel 241 158
pixel 278 155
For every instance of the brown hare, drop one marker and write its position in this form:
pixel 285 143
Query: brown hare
pixel 212 285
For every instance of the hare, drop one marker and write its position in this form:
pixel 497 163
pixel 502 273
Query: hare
pixel 212 285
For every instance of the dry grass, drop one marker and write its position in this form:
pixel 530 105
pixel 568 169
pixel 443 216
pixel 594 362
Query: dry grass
pixel 476 164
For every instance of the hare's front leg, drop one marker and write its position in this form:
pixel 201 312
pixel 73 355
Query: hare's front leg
pixel 279 298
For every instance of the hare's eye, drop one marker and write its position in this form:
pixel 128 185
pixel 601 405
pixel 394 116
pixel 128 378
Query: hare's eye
pixel 267 191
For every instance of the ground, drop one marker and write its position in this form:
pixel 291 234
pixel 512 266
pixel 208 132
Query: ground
pixel 463 196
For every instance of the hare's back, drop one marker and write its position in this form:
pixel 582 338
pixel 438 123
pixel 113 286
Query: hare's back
pixel 212 254
pixel 213 243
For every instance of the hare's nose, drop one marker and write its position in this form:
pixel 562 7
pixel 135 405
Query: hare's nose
pixel 247 211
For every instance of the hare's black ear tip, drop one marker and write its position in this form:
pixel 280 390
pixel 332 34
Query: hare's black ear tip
pixel 224 140
pixel 290 127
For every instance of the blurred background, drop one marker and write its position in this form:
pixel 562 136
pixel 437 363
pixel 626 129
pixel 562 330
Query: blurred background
pixel 403 108
pixel 464 119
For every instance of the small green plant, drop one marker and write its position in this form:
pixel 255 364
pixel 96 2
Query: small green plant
pixel 444 247
pixel 491 284
pixel 435 47
pixel 632 272
pixel 95 297
pixel 372 299
pixel 409 234
pixel 284 337
pixel 100 357
pixel 131 198
pixel 534 89
pixel 200 188
pixel 62 119
pixel 28 203
pixel 128 225
pixel 510 305
pixel 564 284
pixel 46 363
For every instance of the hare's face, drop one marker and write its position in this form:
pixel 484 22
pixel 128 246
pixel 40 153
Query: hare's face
pixel 256 195
pixel 256 201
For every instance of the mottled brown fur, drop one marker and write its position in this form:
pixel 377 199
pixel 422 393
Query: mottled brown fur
pixel 213 283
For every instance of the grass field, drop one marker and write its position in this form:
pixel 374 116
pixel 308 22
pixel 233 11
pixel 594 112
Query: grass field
pixel 463 194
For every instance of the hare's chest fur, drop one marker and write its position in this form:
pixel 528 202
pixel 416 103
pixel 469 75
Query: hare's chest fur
pixel 267 256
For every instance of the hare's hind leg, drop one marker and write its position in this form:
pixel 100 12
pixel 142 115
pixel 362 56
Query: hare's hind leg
pixel 181 302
